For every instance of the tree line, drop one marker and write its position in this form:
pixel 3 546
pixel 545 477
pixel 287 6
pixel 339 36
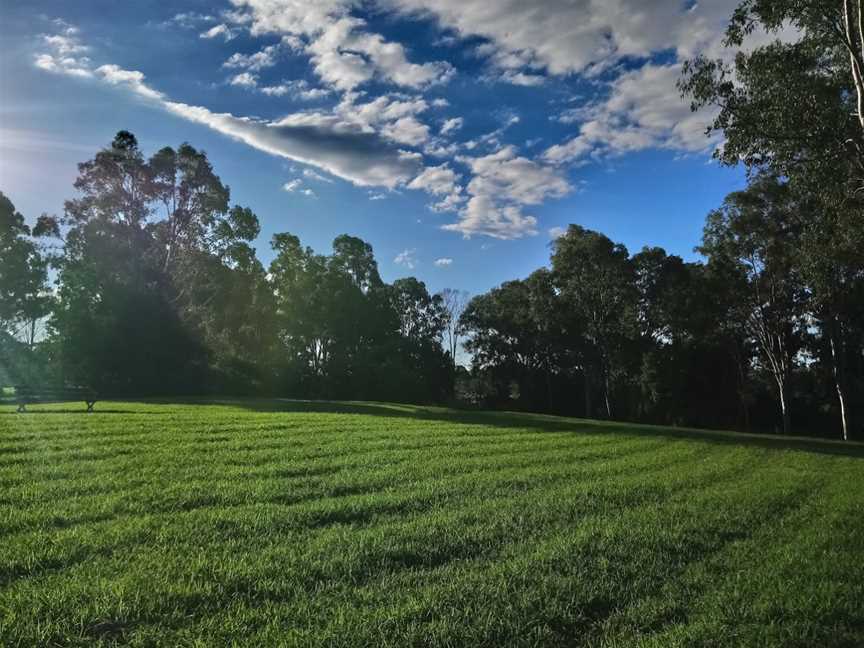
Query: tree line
pixel 148 283
pixel 159 291
pixel 768 333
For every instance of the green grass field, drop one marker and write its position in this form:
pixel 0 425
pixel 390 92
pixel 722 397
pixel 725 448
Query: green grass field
pixel 372 525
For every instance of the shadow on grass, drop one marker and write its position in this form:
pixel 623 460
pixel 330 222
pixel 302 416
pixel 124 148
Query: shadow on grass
pixel 525 421
pixel 69 410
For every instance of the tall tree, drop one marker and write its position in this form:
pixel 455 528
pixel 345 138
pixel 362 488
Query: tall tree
pixel 23 275
pixel 151 248
pixel 831 257
pixel 756 231
pixel 595 277
pixel 454 302
pixel 515 332
pixel 792 105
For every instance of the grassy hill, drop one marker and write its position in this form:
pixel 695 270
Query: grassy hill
pixel 266 523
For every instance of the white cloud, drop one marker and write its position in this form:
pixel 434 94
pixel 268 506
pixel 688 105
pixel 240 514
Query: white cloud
pixel 296 186
pixel 523 79
pixel 451 125
pixel 516 178
pixel 406 130
pixel 566 36
pixel 221 30
pixel 256 62
pixel 502 184
pixel 276 91
pixel 311 94
pixel 343 52
pixel 312 175
pixel 484 216
pixel 443 262
pixel 344 148
pixel 407 258
pixel 132 79
pixel 374 140
pixel 66 44
pixel 66 56
pixel 190 19
pixel 557 232
pixel 244 80
pixel 298 89
pixel 643 110
pixel 452 202
pixel 439 181
pixel 64 65
pixel 395 118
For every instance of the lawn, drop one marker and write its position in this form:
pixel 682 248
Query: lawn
pixel 299 524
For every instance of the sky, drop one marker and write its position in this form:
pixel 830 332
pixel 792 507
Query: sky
pixel 458 137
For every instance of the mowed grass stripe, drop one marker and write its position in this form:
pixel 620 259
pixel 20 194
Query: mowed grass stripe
pixel 425 493
pixel 241 523
pixel 443 480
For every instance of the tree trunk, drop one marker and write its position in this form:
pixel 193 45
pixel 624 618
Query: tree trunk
pixel 742 387
pixel 587 384
pixel 854 46
pixel 784 410
pixel 606 393
pixel 838 384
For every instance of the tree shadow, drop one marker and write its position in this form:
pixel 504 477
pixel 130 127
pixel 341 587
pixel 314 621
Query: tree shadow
pixel 525 421
pixel 11 411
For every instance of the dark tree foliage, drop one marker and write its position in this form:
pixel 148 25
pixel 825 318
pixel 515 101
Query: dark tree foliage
pixel 795 109
pixel 766 335
pixel 346 334
pixel 159 291
pixel 24 299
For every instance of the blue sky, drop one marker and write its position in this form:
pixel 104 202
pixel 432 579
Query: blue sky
pixel 456 136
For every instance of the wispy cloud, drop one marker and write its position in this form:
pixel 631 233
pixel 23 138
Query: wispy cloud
pixel 221 30
pixel 407 258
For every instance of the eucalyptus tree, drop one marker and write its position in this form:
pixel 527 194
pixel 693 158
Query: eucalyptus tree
pixel 454 302
pixel 831 257
pixel 513 332
pixel 23 275
pixel 795 104
pixel 596 280
pixel 756 231
pixel 151 249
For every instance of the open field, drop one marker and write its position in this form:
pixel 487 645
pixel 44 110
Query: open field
pixel 374 525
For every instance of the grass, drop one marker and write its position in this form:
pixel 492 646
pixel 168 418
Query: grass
pixel 300 524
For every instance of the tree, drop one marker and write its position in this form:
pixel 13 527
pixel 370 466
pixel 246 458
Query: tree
pixel 454 302
pixel 832 263
pixel 596 280
pixel 355 258
pixel 23 275
pixel 153 251
pixel 822 136
pixel 515 333
pixel 816 146
pixel 755 231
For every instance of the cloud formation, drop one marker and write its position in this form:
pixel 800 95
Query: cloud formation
pixel 576 36
pixel 344 148
pixel 344 53
pixel 374 123
pixel 219 31
pixel 503 183
pixel 407 258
